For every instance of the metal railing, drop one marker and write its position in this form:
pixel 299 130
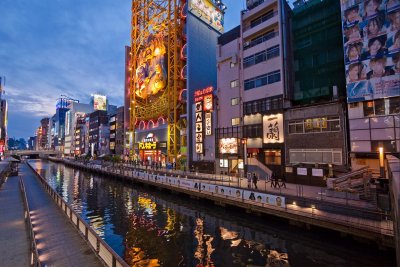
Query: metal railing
pixel 27 215
pixel 102 249
pixel 371 221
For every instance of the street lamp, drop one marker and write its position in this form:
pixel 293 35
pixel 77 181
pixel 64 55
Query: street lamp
pixel 244 142
pixel 381 162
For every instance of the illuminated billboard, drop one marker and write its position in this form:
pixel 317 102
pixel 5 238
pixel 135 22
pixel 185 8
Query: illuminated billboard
pixel 273 129
pixel 99 102
pixel 151 71
pixel 207 12
pixel 228 146
pixel 371 43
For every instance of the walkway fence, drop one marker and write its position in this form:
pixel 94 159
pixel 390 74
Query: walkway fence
pixel 27 215
pixel 102 249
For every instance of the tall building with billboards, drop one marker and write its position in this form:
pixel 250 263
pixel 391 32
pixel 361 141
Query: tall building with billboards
pixel 58 127
pixel 371 40
pixel 172 55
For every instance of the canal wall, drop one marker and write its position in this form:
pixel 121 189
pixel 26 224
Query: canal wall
pixel 394 184
pixel 380 231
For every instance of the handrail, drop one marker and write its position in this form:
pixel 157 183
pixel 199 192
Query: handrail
pixel 35 261
pixel 311 211
pixel 351 174
pixel 102 249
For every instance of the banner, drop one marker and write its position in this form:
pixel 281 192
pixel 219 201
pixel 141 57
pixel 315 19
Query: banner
pixel 371 44
pixel 273 129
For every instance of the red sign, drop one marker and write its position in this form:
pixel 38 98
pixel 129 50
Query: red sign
pixel 198 94
pixel 208 102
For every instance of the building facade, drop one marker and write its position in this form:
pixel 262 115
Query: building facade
pixel 162 114
pixel 260 62
pixel 318 110
pixel 117 132
pixel 372 69
pixel 99 133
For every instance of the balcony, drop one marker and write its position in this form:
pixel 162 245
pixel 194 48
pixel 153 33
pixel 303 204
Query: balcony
pixel 259 24
pixel 261 39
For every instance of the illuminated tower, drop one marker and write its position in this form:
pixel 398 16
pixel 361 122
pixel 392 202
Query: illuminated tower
pixel 160 90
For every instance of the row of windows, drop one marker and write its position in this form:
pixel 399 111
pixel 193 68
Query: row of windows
pixel 262 80
pixel 261 56
pixel 382 106
pixel 315 125
pixel 261 39
pixel 263 105
pixel 262 18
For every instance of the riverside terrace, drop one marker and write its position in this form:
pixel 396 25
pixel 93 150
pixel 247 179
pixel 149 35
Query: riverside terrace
pixel 310 209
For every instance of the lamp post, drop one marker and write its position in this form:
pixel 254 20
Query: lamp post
pixel 381 162
pixel 244 142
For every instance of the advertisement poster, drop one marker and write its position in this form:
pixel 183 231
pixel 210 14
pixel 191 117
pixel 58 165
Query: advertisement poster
pixel 100 102
pixel 371 40
pixel 207 12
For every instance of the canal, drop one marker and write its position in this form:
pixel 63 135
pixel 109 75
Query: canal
pixel 149 227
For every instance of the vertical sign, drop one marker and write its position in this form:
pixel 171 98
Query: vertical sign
pixel 208 123
pixel 273 129
pixel 199 127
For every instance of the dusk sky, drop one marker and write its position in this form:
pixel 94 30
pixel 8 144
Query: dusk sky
pixel 70 47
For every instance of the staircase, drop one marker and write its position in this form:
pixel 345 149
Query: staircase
pixel 254 165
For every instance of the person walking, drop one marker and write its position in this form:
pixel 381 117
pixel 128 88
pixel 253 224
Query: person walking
pixel 255 179
pixel 272 180
pixel 283 182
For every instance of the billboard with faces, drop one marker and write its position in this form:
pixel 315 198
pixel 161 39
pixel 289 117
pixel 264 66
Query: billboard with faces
pixel 371 38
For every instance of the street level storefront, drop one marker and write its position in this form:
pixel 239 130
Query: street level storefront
pixel 151 146
pixel 316 142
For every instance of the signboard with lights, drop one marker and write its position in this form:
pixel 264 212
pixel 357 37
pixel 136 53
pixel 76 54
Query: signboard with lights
pixel 204 104
pixel 207 12
pixel 228 146
pixel 99 102
pixel 273 129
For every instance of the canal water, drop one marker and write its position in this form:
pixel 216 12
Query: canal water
pixel 149 227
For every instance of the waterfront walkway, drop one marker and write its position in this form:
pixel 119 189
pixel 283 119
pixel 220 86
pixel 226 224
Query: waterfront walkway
pixel 58 242
pixel 14 239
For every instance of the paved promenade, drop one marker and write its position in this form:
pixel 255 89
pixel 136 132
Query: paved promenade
pixel 58 242
pixel 14 239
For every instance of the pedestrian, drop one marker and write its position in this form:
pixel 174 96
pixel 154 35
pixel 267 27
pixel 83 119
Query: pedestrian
pixel 272 180
pixel 248 180
pixel 283 182
pixel 255 179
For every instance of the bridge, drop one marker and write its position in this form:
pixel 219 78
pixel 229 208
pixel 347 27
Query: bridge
pixel 33 153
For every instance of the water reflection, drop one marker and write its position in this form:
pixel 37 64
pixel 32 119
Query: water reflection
pixel 153 228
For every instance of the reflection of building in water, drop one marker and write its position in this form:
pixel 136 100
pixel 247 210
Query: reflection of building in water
pixel 204 247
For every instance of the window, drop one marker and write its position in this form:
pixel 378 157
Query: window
pixel 394 105
pixel 261 56
pixel 368 108
pixel 260 39
pixel 235 101
pixel 234 83
pixel 322 156
pixel 262 18
pixel 314 125
pixel 262 80
pixel 235 121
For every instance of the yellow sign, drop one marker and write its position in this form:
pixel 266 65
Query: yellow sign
pixel 148 145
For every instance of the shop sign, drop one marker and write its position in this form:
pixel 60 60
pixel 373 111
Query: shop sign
pixel 228 146
pixel 273 129
pixel 301 171
pixel 199 116
pixel 199 127
pixel 208 124
pixel 208 102
pixel 199 137
pixel 199 148
pixel 200 94
pixel 318 172
pixel 148 145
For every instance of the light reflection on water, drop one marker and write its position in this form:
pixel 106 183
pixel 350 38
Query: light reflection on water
pixel 152 228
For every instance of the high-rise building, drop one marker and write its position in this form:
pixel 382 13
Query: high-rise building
pixel 318 107
pixel 172 57
pixel 371 38
pixel 76 110
pixel 254 79
pixel 3 120
pixel 42 134
pixel 117 132
pixel 99 133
